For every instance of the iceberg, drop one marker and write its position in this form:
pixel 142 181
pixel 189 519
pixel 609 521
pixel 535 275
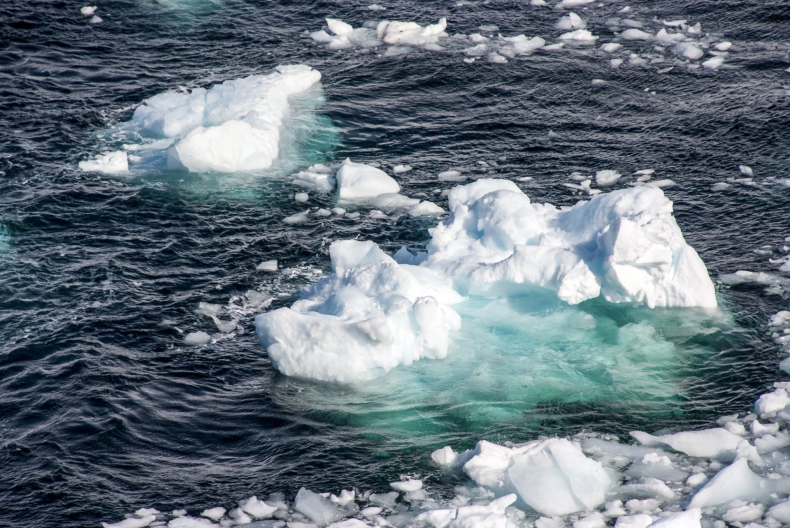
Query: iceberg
pixel 376 312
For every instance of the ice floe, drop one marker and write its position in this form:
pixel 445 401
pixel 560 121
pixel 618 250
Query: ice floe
pixel 376 312
pixel 109 163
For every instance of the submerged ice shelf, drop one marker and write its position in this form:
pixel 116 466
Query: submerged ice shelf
pixel 234 126
pixel 376 312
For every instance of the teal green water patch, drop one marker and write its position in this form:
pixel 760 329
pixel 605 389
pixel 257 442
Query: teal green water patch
pixel 522 364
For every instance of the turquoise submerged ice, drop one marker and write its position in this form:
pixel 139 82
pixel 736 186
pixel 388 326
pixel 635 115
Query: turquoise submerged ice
pixel 377 312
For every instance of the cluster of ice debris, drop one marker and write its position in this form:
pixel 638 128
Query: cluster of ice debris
pixel 736 474
pixel 376 311
pixel 233 126
pixel 634 42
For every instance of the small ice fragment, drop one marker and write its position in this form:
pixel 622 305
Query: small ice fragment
pixel 144 512
pixel 338 27
pixel 110 163
pixel 713 63
pixel 197 338
pixel 358 181
pixel 214 514
pixel 615 63
pixel 301 197
pixel 377 215
pixel 675 23
pixel 554 47
pixel 598 82
pixel 607 177
pixel 316 507
pixel 594 520
pixel 386 500
pixel 780 512
pixel 239 516
pixel 570 21
pixel 445 456
pixel 580 35
pixel 525 179
pixel 258 299
pixel 626 9
pixel 397 169
pixel 687 519
pixel 489 28
pixel 132 522
pixel 425 208
pixel 574 3
pixel 735 428
pixel 88 10
pixel 257 508
pixel 720 186
pixel 95 19
pixel 376 7
pixel 744 513
pixel 298 218
pixel 371 512
pixel 708 443
pixel 688 50
pixel 636 34
pixel 745 169
pixel 537 3
pixel 352 216
pixel 645 172
pixel 496 58
pixel 205 308
pixel 696 480
pixel 660 184
pixel 344 498
pixel 759 429
pixel 611 47
pixel 179 513
pixel 268 265
pixel 224 327
pixel 406 485
pixel 452 175
pixel 723 46
pixel 339 211
pixel 323 212
pixel 641 520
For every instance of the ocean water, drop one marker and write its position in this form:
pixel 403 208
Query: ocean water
pixel 103 409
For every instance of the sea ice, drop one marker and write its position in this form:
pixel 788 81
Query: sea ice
pixel 268 265
pixel 214 514
pixel 316 507
pixel 232 126
pixel 570 21
pixel 713 63
pixel 88 10
pixel 580 35
pixel 709 443
pixel 95 19
pixel 607 177
pixel 197 338
pixel 132 522
pixel 109 163
pixel 357 181
pixel 257 508
pixel 373 314
pixel 636 34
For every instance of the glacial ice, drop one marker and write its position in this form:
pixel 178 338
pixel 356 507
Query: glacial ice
pixel 230 127
pixel 375 313
pixel 357 181
pixel 392 33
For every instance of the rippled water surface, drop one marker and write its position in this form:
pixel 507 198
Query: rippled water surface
pixel 104 410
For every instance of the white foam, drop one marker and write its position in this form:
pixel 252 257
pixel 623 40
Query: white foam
pixel 108 163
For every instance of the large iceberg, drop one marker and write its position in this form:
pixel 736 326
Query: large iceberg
pixel 231 127
pixel 376 312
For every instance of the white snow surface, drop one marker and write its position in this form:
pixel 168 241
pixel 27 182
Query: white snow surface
pixel 233 126
pixel 376 312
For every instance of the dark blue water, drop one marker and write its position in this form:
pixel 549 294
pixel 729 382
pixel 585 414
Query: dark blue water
pixel 103 410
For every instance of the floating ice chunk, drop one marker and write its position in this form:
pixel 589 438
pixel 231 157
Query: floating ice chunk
pixel 393 201
pixel 709 443
pixel 144 512
pixel 723 46
pixel 425 208
pixel 521 45
pixel 95 19
pixel 744 513
pixel 607 177
pixel 552 476
pixel 746 170
pixel 611 47
pixel 580 35
pixel 239 517
pixel 358 181
pixel 344 498
pixel 641 520
pixel 675 23
pixel 376 7
pixel 223 326
pixel 737 481
pixel 627 22
pixel 257 508
pixel 197 338
pixel 660 184
pixel 696 480
pixel 131 522
pixel 636 34
pixel 437 518
pixel 233 126
pixel 574 3
pixel 688 50
pixel 538 3
pixel 398 169
pixel 570 21
pixel 656 466
pixel 410 33
pixel 735 428
pixel 372 511
pixel 110 163
pixel 780 512
pixel 316 507
pixel 769 442
pixel 687 519
pixel 338 27
pixel 386 500
pixel 452 175
pixel 191 522
pixel 268 265
pixel 647 488
pixel 594 520
pixel 214 514
pixel 448 458
pixel 349 523
pixel 772 402
pixel 319 181
pixel 406 485
pixel 720 186
pixel 88 10
pixel 615 63
pixel 759 429
pixel 295 219
pixel 496 58
pixel 713 63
